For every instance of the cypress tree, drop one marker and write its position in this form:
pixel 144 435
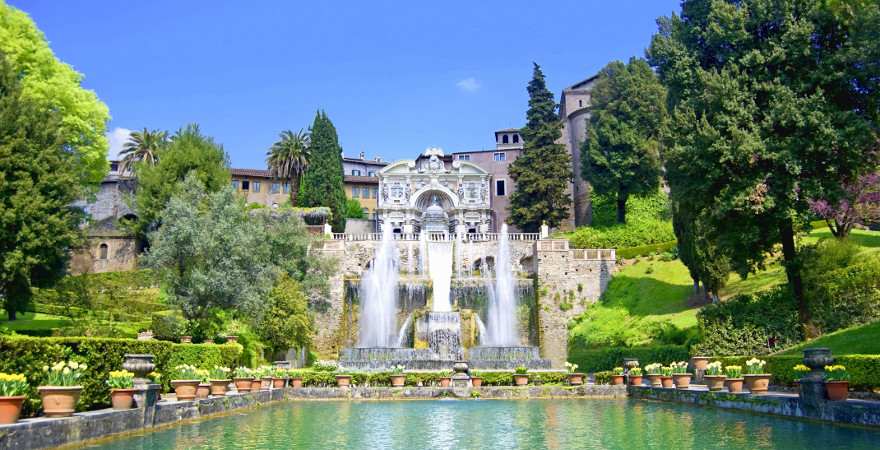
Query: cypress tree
pixel 322 181
pixel 543 171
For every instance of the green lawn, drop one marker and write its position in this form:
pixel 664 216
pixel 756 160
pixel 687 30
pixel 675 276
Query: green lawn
pixel 864 339
pixel 33 321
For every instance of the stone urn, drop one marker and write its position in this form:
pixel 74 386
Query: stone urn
pixel 140 364
pixel 813 388
pixel 699 364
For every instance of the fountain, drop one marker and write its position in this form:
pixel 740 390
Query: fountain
pixel 379 293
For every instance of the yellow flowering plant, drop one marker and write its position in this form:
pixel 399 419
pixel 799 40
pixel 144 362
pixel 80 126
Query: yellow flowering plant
pixel 12 384
pixel 836 372
pixel 185 372
pixel 666 371
pixel 120 379
pixel 203 375
pixel 635 372
pixel 155 377
pixel 617 371
pixel 733 372
pixel 64 373
pixel 220 373
pixel 800 370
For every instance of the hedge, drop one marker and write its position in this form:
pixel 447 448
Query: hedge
pixel 864 370
pixel 644 250
pixel 28 355
pixel 594 360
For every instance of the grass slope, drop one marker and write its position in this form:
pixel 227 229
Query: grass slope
pixel 860 340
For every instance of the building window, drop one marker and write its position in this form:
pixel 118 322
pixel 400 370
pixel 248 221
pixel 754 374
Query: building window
pixel 355 192
pixel 365 192
pixel 371 174
pixel 515 138
pixel 275 188
pixel 375 193
pixel 500 188
pixel 104 249
pixel 356 172
pixel 245 185
pixel 500 156
pixel 464 157
pixel 256 186
pixel 286 187
pixel 234 185
pixel 504 139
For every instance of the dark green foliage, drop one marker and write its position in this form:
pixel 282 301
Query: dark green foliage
pixel 647 223
pixel 38 183
pixel 188 151
pixel 288 158
pixel 843 296
pixel 127 292
pixel 353 209
pixel 746 323
pixel 705 261
pixel 593 360
pixel 543 171
pixel 621 154
pixel 639 208
pixel 771 104
pixel 322 181
pixel 287 322
pixel 27 356
pixel 603 377
pixel 168 325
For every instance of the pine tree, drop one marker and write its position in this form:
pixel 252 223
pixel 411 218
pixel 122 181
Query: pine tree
pixel 322 181
pixel 543 171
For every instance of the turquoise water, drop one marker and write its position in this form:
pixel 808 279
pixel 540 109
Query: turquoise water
pixel 499 424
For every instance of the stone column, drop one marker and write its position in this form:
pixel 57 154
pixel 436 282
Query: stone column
pixel 813 395
pixel 147 394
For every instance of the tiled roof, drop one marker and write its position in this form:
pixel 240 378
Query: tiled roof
pixel 371 162
pixel 262 173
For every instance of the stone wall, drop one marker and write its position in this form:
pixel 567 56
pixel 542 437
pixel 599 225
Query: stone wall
pixel 121 255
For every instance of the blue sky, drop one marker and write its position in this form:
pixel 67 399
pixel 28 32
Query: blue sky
pixel 394 77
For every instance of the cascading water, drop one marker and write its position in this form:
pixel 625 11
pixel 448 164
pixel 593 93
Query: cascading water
pixel 501 326
pixel 440 269
pixel 378 295
pixel 423 253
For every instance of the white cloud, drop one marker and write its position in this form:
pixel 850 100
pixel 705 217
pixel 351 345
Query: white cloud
pixel 469 84
pixel 117 139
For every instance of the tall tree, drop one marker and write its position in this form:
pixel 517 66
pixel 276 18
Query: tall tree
pixel 288 159
pixel 542 172
pixel 772 103
pixel 142 146
pixel 622 151
pixel 698 252
pixel 188 151
pixel 54 85
pixel 38 183
pixel 322 182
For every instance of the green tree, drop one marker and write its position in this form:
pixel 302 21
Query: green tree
pixel 287 322
pixel 288 159
pixel 771 103
pixel 353 209
pixel 704 260
pixel 622 150
pixel 38 183
pixel 142 146
pixel 188 151
pixel 322 182
pixel 543 171
pixel 54 86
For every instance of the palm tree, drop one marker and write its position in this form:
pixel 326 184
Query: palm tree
pixel 288 159
pixel 142 146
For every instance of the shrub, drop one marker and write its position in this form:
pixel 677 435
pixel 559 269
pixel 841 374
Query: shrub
pixel 602 377
pixel 845 296
pixel 593 360
pixel 633 234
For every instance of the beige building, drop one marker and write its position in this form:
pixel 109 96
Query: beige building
pixel 361 181
pixel 259 187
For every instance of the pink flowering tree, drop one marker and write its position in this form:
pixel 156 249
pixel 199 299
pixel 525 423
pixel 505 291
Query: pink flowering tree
pixel 858 205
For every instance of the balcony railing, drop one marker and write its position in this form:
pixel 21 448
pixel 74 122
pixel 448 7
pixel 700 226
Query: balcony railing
pixel 438 237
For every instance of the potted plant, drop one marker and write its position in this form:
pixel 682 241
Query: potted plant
pixel 219 379
pixel 398 379
pixel 635 376
pixel 521 376
pixel 680 376
pixel 13 387
pixel 666 377
pixel 204 389
pixel 122 390
pixel 343 380
pixel 243 378
pixel 800 371
pixel 185 382
pixel 617 376
pixel 836 382
pixel 757 381
pixel 575 378
pixel 446 378
pixel 296 378
pixel 476 380
pixel 714 376
pixel 265 378
pixel 654 374
pixel 61 391
pixel 279 378
pixel 734 381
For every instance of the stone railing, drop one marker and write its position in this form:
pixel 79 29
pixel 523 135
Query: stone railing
pixel 594 254
pixel 438 237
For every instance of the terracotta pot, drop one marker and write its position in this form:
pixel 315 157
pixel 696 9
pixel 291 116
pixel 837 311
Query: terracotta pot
pixel 666 382
pixel 757 384
pixel 655 380
pixel 255 384
pixel 715 382
pixel 444 381
pixel 218 387
pixel 122 398
pixel 296 382
pixel 185 389
pixel 734 385
pixel 635 380
pixel 398 380
pixel 265 383
pixel 203 391
pixel 616 380
pixel 278 383
pixel 520 379
pixel 59 401
pixel 476 381
pixel 10 408
pixel 682 380
pixel 343 380
pixel 837 390
pixel 242 384
pixel 575 379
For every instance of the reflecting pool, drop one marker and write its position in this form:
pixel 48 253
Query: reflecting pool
pixel 498 424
